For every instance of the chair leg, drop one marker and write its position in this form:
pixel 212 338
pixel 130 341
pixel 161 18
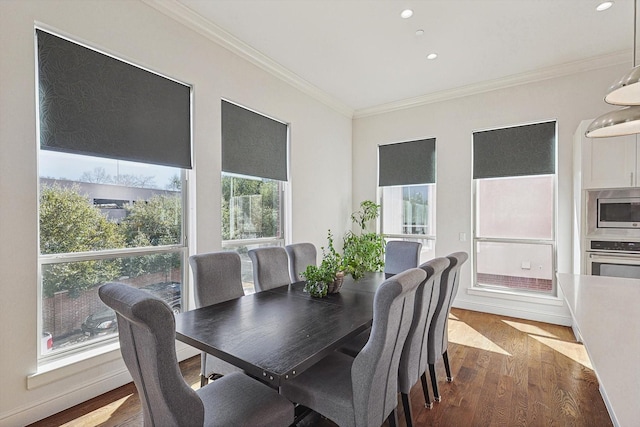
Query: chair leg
pixel 434 382
pixel 406 405
pixel 393 418
pixel 445 357
pixel 427 400
pixel 203 368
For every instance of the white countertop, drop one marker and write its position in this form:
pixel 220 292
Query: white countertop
pixel 606 312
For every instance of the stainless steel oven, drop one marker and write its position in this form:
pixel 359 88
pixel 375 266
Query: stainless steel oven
pixel 613 258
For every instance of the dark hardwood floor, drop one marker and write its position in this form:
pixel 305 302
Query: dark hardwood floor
pixel 507 372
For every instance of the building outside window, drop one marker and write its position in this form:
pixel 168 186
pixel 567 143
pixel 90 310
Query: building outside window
pixel 515 190
pixel 254 183
pixel 111 201
pixel 407 193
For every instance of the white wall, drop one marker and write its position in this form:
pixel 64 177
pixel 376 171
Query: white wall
pixel 567 99
pixel 515 260
pixel 320 169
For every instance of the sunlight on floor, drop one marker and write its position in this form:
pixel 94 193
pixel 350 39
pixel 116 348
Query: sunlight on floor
pixel 573 350
pixel 530 329
pixel 463 334
pixel 99 416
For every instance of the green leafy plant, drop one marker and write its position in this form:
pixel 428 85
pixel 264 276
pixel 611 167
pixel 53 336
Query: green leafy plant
pixel 332 261
pixel 318 278
pixel 368 212
pixel 316 282
pixel 363 251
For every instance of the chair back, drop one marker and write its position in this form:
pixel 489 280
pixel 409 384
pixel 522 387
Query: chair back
pixel 270 267
pixel 217 277
pixel 147 332
pixel 400 255
pixel 414 360
pixel 301 255
pixel 374 373
pixel 438 340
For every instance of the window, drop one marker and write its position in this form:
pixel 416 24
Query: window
pixel 407 193
pixel 252 216
pixel 408 213
pixel 111 201
pixel 254 183
pixel 83 245
pixel 514 233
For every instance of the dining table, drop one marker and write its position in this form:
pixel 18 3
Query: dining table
pixel 277 334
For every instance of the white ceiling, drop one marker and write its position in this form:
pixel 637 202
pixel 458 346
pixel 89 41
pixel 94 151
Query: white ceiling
pixel 361 54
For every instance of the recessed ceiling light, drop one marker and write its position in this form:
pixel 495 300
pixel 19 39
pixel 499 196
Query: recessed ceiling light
pixel 432 56
pixel 419 32
pixel 407 13
pixel 604 6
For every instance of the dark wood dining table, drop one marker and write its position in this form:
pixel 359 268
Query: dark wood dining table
pixel 277 334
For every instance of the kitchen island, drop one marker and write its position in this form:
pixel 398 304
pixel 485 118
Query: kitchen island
pixel 606 314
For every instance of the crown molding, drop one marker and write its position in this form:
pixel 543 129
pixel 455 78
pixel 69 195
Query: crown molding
pixel 210 30
pixel 561 70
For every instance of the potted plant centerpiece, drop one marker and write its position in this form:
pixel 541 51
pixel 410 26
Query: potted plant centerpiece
pixel 363 251
pixel 328 276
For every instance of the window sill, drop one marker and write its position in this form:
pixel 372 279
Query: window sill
pixel 516 296
pixel 58 369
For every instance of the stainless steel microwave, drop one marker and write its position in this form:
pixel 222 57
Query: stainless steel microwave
pixel 619 212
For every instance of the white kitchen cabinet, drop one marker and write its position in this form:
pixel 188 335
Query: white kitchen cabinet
pixel 606 162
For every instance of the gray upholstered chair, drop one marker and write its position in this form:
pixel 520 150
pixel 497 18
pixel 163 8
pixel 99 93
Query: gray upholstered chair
pixel 363 391
pixel 414 360
pixel 147 332
pixel 270 267
pixel 217 277
pixel 400 255
pixel 301 255
pixel 438 341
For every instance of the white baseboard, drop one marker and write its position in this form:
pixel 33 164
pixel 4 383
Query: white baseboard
pixel 518 312
pixel 35 411
pixel 607 404
pixel 576 332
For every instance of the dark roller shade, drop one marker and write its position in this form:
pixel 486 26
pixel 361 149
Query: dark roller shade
pixel 515 151
pixel 253 144
pixel 407 163
pixel 93 104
